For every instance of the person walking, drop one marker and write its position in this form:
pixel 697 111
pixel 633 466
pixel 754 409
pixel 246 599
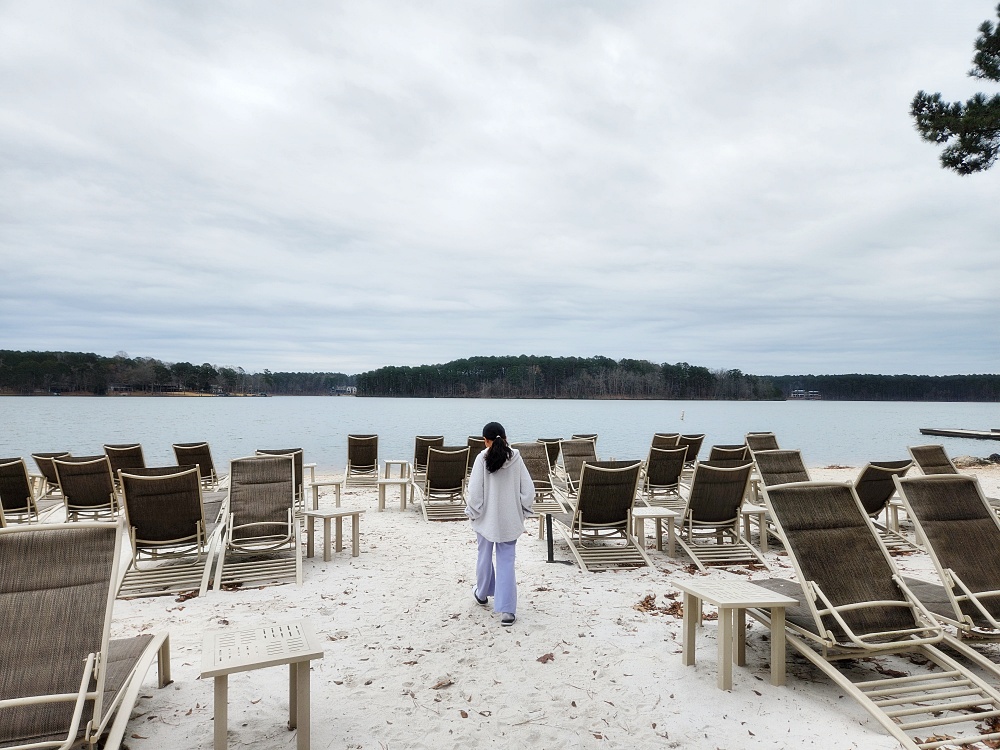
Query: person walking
pixel 500 497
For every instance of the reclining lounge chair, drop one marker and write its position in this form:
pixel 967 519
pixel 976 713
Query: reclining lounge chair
pixel 200 454
pixel 87 486
pixel 443 489
pixel 362 460
pixel 536 460
pixel 17 500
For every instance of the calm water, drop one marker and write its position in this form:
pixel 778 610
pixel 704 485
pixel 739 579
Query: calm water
pixel 827 432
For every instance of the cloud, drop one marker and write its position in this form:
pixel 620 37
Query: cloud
pixel 341 188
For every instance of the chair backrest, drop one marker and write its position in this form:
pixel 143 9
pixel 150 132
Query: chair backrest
pixel 665 440
pixel 44 463
pixel 717 493
pixel 57 588
pixel 446 468
pixel 729 455
pixel 551 450
pixel 86 482
pixel 536 460
pixel 196 453
pixel 165 509
pixel 127 456
pixel 874 484
pixel 420 445
pixel 664 466
pixel 932 459
pixel 161 471
pixel 606 494
pixel 962 532
pixel 574 454
pixel 832 543
pixel 762 441
pixel 780 467
pixel 592 436
pixel 261 494
pixel 476 446
pixel 693 444
pixel 15 488
pixel 296 455
pixel 362 454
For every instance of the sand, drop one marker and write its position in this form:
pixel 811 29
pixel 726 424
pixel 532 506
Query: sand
pixel 412 662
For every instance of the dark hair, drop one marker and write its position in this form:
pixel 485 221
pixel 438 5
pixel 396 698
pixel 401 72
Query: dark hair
pixel 499 453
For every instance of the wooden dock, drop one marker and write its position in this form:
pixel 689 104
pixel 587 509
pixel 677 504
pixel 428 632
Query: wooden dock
pixel 958 433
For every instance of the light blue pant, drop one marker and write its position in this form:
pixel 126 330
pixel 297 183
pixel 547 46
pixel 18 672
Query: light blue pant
pixel 499 582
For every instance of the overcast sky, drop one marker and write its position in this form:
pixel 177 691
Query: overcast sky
pixel 342 186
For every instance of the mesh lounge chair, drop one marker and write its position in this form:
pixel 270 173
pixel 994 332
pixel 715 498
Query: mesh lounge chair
pixel 211 501
pixel 729 455
pixel 855 605
pixel 592 436
pixel 780 467
pixel 551 451
pixel 599 529
pixel 933 460
pixel 443 488
pixel 693 444
pixel 536 460
pixel 173 547
pixel 666 440
pixel 17 501
pixel 200 455
pixel 420 445
pixel 296 455
pixel 575 453
pixel 761 441
pixel 962 534
pixel 50 482
pixel 262 537
pixel 875 489
pixel 362 459
pixel 476 446
pixel 661 482
pixel 63 681
pixel 125 457
pixel 710 530
pixel 87 487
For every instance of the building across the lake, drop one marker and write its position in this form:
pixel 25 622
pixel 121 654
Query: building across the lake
pixel 801 395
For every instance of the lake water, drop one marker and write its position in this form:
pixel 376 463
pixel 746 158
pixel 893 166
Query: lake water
pixel 827 432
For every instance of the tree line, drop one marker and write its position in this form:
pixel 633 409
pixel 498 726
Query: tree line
pixel 74 372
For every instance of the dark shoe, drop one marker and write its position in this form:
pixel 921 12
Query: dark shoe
pixel 480 602
pixel 507 619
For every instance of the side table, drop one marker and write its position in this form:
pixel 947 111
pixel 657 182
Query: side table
pixel 338 515
pixel 657 514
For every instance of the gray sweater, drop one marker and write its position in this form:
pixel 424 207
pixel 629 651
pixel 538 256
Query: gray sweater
pixel 499 502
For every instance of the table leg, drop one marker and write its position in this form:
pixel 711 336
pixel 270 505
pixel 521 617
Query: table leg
pixel 548 537
pixel 315 490
pixel 310 535
pixel 639 531
pixel 659 533
pixel 326 540
pixel 336 488
pixel 293 695
pixel 725 637
pixel 692 605
pixel 221 711
pixel 671 544
pixel 381 498
pixel 762 523
pixel 340 533
pixel 302 688
pixel 777 645
pixel 740 623
pixel 355 535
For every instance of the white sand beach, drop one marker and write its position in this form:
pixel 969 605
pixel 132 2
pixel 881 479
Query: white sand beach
pixel 412 662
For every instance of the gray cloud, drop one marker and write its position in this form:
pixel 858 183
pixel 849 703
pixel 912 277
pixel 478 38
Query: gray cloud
pixel 318 187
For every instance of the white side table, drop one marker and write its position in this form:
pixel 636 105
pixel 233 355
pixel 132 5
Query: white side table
pixel 338 515
pixel 242 650
pixel 337 484
pixel 732 597
pixel 657 514
pixel 749 510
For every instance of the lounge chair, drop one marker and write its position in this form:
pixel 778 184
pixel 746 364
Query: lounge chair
pixel 551 451
pixel 173 547
pixel 200 454
pixel 362 460
pixel 63 680
pixel 933 460
pixel 666 440
pixel 761 441
pixel 875 489
pixel 87 486
pixel 599 528
pixel 661 481
pixel 262 537
pixel 780 467
pixel 856 606
pixel 693 444
pixel 296 455
pixel 476 446
pixel 575 453
pixel 535 457
pixel 443 487
pixel 127 456
pixel 420 445
pixel 592 436
pixel 17 499
pixel 962 535
pixel 50 482
pixel 729 455
pixel 710 531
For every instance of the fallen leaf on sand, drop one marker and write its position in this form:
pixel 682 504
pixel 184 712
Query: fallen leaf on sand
pixel 442 683
pixel 464 714
pixel 545 658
